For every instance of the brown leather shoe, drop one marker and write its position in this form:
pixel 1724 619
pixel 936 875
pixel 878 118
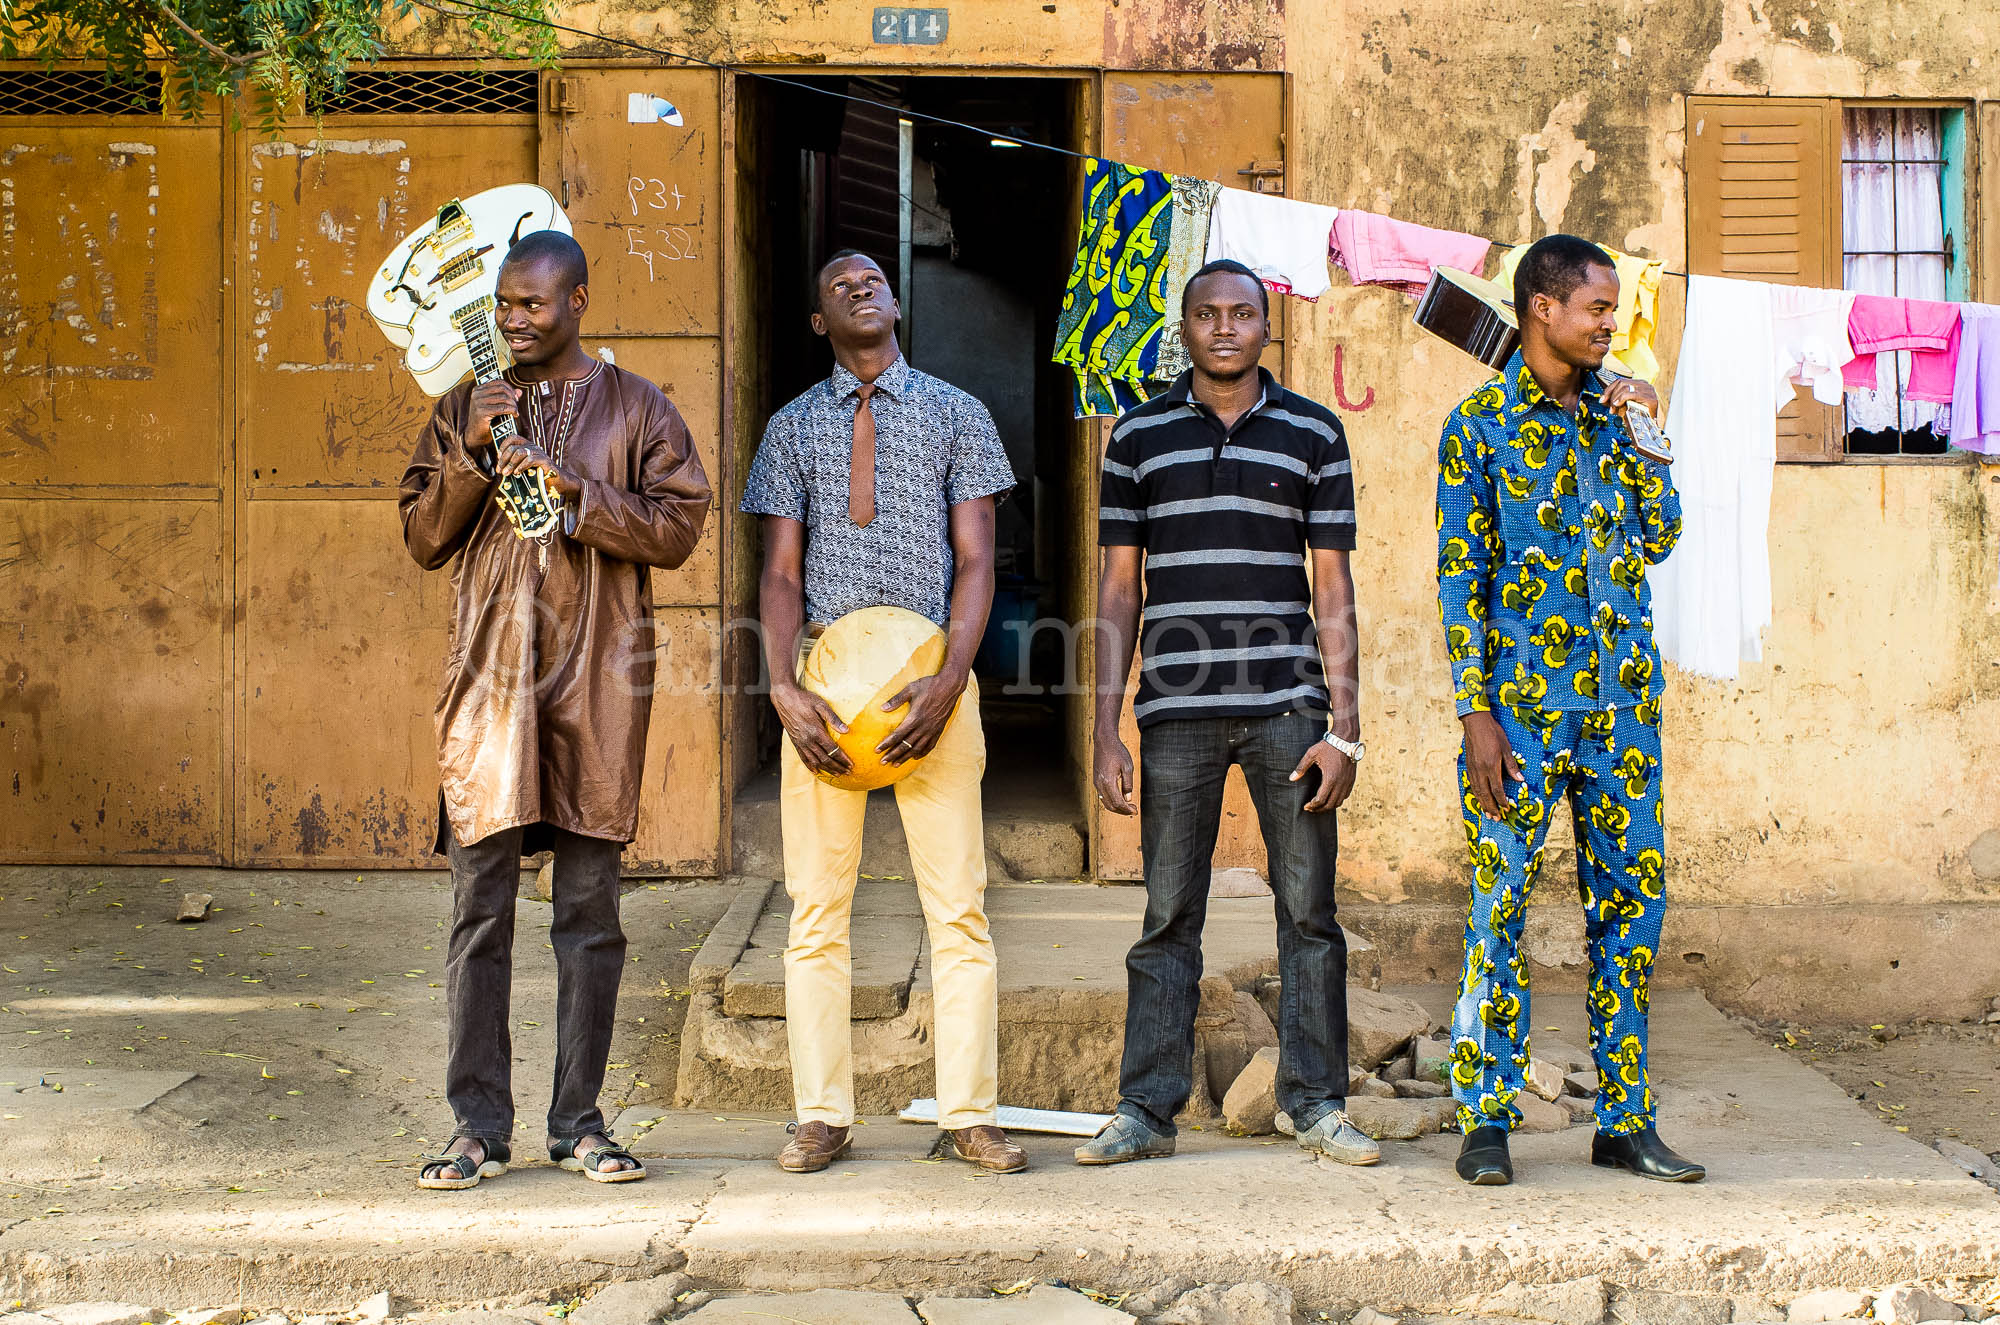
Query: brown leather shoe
pixel 813 1146
pixel 989 1148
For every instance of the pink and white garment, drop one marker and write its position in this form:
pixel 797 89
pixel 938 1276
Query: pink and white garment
pixel 1283 240
pixel 1809 329
pixel 1380 250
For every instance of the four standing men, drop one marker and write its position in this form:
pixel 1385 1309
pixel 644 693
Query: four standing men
pixel 1227 519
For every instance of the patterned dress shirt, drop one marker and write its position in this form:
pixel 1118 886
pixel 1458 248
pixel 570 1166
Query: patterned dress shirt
pixel 935 446
pixel 1546 524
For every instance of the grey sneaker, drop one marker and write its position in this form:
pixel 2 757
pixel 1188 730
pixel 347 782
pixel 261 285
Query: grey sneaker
pixel 1122 1139
pixel 1340 1140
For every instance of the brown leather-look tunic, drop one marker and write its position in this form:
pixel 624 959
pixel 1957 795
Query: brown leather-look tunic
pixel 541 718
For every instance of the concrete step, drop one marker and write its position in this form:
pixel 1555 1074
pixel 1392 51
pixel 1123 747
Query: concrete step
pixel 1034 830
pixel 1062 996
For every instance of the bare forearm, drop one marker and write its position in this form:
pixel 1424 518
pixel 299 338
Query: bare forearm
pixel 781 611
pixel 1117 636
pixel 1339 639
pixel 971 603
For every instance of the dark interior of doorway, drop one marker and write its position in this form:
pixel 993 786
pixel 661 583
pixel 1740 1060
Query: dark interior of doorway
pixel 976 235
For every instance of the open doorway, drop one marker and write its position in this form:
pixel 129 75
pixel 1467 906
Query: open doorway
pixel 976 234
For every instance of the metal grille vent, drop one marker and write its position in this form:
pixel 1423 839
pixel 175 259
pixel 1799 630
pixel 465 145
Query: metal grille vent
pixel 75 92
pixel 434 92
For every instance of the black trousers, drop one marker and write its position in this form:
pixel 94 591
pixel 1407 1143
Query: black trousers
pixel 478 981
pixel 1185 762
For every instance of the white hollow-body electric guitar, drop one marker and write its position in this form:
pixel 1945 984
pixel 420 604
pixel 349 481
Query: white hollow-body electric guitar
pixel 433 298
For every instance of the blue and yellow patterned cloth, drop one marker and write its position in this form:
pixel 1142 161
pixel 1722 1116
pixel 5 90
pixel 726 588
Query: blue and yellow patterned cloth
pixel 1114 305
pixel 1546 524
pixel 1607 765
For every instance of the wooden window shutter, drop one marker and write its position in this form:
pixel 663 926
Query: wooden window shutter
pixel 1764 205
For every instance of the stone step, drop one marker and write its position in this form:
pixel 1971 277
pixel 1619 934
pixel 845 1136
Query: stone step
pixel 1032 832
pixel 1061 954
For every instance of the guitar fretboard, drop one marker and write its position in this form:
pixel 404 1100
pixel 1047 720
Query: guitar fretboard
pixel 475 326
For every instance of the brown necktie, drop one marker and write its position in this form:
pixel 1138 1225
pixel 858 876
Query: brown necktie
pixel 861 467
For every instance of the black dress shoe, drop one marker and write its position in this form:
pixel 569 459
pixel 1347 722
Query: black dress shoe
pixel 1644 1154
pixel 1483 1161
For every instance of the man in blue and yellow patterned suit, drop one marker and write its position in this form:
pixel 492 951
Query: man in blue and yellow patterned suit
pixel 1547 520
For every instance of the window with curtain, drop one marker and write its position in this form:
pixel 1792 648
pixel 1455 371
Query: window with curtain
pixel 1893 242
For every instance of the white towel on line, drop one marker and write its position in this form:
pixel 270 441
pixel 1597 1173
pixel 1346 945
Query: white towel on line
pixel 1283 240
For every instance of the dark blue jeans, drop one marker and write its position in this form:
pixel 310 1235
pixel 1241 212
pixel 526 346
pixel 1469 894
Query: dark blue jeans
pixel 1182 764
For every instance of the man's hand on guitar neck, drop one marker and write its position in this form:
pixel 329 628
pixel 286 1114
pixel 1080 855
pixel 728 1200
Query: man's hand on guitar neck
pixel 490 400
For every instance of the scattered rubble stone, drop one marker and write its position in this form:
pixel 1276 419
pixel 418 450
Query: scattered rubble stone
pixel 1583 1083
pixel 1975 1162
pixel 1826 1304
pixel 1044 1304
pixel 1235 1304
pixel 1538 1115
pixel 1152 1301
pixel 1399 1119
pixel 1910 1304
pixel 1577 1107
pixel 194 907
pixel 1370 1316
pixel 1545 1079
pixel 383 1306
pixel 1252 1101
pixel 1574 1302
pixel 696 1300
pixel 1642 1306
pixel 1564 1054
pixel 823 1306
pixel 632 1301
pixel 1433 1059
pixel 1370 1087
pixel 231 1315
pixel 1378 1025
pixel 105 1313
pixel 1755 1310
pixel 1400 1068
pixel 1412 1089
pixel 1239 881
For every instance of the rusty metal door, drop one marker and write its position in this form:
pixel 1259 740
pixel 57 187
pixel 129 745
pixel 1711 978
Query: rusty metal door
pixel 114 584
pixel 646 201
pixel 340 637
pixel 1231 128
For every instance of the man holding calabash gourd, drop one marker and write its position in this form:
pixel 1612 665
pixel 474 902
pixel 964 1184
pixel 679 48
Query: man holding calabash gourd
pixel 877 489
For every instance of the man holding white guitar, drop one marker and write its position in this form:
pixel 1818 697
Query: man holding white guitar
pixel 541 719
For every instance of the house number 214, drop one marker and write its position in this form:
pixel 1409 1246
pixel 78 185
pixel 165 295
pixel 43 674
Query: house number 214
pixel 911 27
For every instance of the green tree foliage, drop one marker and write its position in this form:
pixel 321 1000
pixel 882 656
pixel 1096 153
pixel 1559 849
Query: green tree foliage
pixel 275 55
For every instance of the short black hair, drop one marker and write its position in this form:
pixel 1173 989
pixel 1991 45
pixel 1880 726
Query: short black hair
pixel 1229 267
pixel 1555 265
pixel 819 277
pixel 553 246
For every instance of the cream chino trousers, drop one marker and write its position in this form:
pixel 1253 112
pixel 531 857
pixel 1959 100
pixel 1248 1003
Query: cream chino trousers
pixel 940 806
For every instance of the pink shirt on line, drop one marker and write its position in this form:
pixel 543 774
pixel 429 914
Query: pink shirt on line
pixel 1925 327
pixel 1380 250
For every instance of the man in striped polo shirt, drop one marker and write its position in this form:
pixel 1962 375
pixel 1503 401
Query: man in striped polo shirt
pixel 1213 497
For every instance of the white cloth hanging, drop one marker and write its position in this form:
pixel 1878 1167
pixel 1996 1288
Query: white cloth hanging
pixel 1283 240
pixel 1809 328
pixel 1712 595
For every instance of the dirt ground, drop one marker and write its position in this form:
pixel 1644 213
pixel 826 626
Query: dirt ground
pixel 310 1007
pixel 1929 1080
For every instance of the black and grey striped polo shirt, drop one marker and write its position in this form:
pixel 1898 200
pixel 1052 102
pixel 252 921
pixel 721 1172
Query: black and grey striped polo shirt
pixel 1226 517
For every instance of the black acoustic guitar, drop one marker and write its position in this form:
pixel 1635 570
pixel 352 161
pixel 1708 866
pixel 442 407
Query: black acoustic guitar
pixel 1470 312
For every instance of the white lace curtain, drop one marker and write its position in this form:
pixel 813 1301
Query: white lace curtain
pixel 1892 224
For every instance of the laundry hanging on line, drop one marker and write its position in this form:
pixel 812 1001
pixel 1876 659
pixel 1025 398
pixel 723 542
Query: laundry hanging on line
pixel 1113 309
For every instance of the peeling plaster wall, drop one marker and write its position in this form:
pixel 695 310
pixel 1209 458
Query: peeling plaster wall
pixel 1855 763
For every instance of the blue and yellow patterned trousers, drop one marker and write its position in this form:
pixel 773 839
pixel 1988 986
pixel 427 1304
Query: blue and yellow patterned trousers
pixel 1607 764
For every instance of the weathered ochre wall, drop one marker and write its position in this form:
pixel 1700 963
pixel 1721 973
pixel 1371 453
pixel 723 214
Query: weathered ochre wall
pixel 1855 763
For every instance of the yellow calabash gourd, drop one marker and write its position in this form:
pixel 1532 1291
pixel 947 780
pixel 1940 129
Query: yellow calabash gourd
pixel 861 661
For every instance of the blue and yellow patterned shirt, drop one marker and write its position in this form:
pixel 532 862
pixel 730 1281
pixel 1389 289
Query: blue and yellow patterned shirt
pixel 1546 524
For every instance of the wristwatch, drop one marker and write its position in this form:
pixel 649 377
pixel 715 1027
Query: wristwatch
pixel 1352 749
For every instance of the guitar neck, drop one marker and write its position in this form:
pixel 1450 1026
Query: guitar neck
pixel 475 326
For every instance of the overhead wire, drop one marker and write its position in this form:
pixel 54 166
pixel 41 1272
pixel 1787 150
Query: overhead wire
pixel 454 8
